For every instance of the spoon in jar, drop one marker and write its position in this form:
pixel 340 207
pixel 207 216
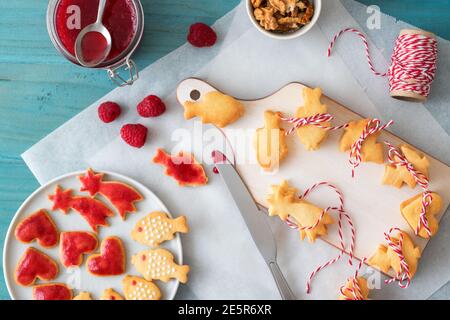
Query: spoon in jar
pixel 94 42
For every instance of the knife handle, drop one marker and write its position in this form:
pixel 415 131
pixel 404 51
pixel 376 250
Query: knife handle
pixel 283 287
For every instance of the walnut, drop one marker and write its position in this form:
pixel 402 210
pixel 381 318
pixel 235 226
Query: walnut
pixel 266 18
pixel 256 3
pixel 278 5
pixel 283 15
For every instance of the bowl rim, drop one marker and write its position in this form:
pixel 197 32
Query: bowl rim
pixel 290 35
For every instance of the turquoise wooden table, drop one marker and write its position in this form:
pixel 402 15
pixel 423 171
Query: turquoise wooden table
pixel 40 90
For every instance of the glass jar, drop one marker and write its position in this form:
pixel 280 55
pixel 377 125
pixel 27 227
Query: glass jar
pixel 124 19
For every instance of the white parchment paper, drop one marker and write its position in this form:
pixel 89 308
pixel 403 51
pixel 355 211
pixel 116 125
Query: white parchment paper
pixel 245 64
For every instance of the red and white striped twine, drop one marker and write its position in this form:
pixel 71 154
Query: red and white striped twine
pixel 315 120
pixel 355 158
pixel 355 290
pixel 396 158
pixel 413 63
pixel 403 276
pixel 342 214
pixel 372 127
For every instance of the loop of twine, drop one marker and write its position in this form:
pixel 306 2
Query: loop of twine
pixel 342 214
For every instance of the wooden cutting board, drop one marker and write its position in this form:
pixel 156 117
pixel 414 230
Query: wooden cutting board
pixel 374 207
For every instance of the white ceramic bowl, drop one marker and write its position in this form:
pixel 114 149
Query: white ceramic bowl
pixel 287 35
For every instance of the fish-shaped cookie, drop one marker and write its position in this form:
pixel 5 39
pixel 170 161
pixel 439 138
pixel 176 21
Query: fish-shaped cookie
pixel 158 264
pixel 136 288
pixel 110 294
pixel 157 227
pixel 183 167
pixel 214 107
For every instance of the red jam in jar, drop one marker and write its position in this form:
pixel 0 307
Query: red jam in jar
pixel 119 18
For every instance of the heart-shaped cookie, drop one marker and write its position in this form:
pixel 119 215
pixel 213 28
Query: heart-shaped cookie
pixel 74 244
pixel 52 291
pixel 37 226
pixel 33 265
pixel 111 259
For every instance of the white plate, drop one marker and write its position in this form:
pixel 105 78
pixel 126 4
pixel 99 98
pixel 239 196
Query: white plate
pixel 79 279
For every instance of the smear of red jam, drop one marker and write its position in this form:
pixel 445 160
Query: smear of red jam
pixel 38 226
pixel 52 292
pixel 182 168
pixel 34 263
pixel 111 261
pixel 74 244
pixel 119 18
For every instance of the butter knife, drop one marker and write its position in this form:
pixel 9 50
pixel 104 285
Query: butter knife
pixel 257 224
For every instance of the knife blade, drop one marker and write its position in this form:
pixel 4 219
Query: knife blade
pixel 255 219
pixel 257 224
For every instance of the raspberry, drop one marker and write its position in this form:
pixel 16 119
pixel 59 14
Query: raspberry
pixel 134 134
pixel 108 111
pixel 201 35
pixel 151 106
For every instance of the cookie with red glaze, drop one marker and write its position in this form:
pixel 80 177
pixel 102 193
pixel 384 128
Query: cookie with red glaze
pixel 35 265
pixel 92 210
pixel 74 244
pixel 121 195
pixel 52 291
pixel 111 259
pixel 182 167
pixel 37 226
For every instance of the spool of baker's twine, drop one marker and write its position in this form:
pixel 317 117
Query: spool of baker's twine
pixel 413 63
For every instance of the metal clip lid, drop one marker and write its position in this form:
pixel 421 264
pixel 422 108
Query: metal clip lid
pixel 114 73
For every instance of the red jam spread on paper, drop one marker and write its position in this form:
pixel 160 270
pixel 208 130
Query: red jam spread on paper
pixel 121 195
pixel 111 260
pixel 119 18
pixel 92 210
pixel 38 226
pixel 52 291
pixel 34 264
pixel 182 167
pixel 74 244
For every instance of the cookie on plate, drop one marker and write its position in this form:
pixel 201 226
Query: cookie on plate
pixel 37 226
pixel 52 291
pixel 110 294
pixel 157 227
pixel 35 265
pixel 159 264
pixel 111 259
pixel 136 288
